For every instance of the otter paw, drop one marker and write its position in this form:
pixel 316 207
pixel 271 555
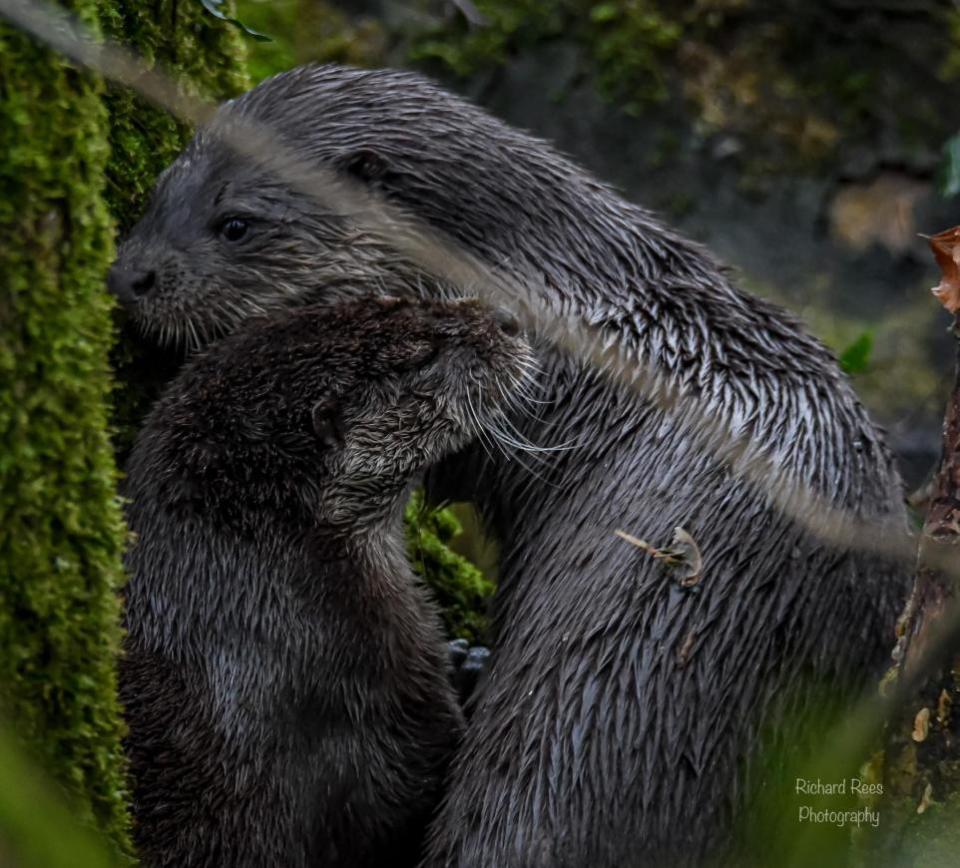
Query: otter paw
pixel 468 665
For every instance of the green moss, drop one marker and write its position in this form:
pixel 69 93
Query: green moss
pixel 206 54
pixel 61 534
pixel 67 146
pixel 459 587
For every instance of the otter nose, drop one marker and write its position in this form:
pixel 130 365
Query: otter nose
pixel 508 323
pixel 128 285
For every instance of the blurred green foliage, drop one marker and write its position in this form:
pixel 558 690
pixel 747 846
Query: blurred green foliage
pixel 744 66
pixel 628 40
pixel 278 19
pixel 466 48
pixel 37 829
pixel 309 31
pixel 218 9
pixel 855 359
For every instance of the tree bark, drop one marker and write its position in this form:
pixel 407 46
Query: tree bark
pixel 920 808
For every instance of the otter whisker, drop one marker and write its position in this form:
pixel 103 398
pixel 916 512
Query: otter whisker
pixel 191 340
pixel 511 451
pixel 510 402
pixel 522 397
pixel 476 425
pixel 489 428
pixel 520 440
pixel 485 423
pixel 516 444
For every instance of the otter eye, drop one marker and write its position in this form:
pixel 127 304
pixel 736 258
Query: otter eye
pixel 365 165
pixel 422 353
pixel 234 229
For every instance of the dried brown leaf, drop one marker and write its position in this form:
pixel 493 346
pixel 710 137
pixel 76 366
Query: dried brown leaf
pixel 688 552
pixel 946 250
pixel 683 556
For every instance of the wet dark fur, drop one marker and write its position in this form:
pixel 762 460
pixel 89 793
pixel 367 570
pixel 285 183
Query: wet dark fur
pixel 622 717
pixel 285 678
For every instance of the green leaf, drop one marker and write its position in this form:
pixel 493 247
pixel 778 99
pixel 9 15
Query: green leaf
pixel 604 12
pixel 213 7
pixel 855 359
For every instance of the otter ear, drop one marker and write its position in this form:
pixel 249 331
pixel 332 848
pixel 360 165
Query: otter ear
pixel 325 417
pixel 365 164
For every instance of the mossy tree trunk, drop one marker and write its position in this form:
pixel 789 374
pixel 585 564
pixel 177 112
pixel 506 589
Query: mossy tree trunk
pixel 61 534
pixel 61 529
pixel 208 57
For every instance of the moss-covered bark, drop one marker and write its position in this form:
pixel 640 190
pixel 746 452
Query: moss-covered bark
pixel 206 54
pixel 61 534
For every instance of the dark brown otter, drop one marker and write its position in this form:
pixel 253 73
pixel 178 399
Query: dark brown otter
pixel 621 720
pixel 285 679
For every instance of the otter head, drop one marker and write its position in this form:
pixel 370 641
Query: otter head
pixel 219 230
pixel 231 231
pixel 327 415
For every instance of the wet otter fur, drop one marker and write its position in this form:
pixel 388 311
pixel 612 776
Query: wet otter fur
pixel 285 679
pixel 621 720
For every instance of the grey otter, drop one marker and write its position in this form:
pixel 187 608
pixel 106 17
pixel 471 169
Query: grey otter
pixel 285 679
pixel 621 719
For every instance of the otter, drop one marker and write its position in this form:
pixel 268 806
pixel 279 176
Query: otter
pixel 623 717
pixel 285 679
